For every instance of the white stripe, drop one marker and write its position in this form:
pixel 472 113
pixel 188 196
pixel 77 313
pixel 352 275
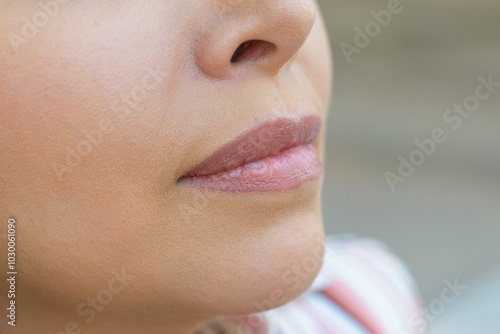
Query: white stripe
pixel 336 318
pixel 302 317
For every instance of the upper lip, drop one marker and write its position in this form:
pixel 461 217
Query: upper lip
pixel 260 141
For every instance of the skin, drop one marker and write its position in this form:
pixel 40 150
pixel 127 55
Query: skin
pixel 152 84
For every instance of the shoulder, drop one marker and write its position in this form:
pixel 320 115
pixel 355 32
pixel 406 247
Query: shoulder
pixel 362 288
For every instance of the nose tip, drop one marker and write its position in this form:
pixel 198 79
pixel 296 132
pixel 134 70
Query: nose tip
pixel 261 35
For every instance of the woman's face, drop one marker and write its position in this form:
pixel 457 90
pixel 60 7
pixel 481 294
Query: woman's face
pixel 107 110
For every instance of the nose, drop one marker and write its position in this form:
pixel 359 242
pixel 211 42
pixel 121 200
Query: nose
pixel 252 35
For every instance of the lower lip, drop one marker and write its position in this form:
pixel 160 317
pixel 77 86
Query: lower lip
pixel 284 171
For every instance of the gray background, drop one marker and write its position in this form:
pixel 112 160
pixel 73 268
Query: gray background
pixel 444 221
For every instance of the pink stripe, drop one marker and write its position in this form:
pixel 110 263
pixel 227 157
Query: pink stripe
pixel 348 299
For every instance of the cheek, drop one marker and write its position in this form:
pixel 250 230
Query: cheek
pixel 79 101
pixel 73 187
pixel 79 134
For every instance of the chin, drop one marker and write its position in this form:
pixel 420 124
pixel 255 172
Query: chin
pixel 268 270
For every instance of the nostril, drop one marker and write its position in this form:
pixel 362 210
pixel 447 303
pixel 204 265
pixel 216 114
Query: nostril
pixel 252 50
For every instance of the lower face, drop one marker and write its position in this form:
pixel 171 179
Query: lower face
pixel 105 112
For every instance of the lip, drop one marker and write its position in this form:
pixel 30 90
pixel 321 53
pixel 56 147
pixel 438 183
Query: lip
pixel 275 155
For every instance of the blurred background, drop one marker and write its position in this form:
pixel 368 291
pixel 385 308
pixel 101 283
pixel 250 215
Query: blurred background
pixel 444 220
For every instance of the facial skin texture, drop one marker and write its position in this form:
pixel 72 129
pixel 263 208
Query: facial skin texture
pixel 152 85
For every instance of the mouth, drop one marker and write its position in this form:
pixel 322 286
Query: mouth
pixel 273 156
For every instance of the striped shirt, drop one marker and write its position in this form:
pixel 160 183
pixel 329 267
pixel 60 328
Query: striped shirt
pixel 362 288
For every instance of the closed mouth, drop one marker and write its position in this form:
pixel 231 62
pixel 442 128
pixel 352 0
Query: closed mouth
pixel 275 155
